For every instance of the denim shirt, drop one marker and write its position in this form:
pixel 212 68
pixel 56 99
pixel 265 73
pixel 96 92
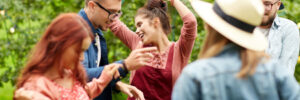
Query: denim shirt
pixel 284 42
pixel 90 60
pixel 215 79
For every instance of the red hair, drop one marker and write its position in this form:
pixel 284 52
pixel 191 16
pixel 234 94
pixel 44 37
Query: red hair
pixel 63 32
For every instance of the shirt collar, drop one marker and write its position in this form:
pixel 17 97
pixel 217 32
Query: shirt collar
pixel 276 22
pixel 84 16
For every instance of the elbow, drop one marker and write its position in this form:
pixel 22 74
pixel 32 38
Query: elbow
pixel 191 22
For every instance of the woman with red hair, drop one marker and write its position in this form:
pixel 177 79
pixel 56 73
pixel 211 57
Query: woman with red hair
pixel 54 70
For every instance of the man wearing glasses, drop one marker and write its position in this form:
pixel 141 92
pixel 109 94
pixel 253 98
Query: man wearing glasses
pixel 98 14
pixel 282 34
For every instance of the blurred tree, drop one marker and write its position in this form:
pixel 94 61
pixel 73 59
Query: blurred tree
pixel 22 22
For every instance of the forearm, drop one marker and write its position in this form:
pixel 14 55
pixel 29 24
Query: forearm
pixel 181 8
pixel 188 35
pixel 96 86
pixel 128 37
pixel 94 72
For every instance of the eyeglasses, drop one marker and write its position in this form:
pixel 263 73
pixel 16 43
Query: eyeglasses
pixel 269 5
pixel 111 16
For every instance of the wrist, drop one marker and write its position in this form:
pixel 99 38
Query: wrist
pixel 118 85
pixel 125 65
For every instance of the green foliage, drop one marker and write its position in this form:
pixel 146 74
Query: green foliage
pixel 29 18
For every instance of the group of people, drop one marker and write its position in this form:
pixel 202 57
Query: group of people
pixel 249 53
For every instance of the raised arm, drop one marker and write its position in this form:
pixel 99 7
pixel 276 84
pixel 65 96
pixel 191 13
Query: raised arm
pixel 128 37
pixel 189 29
pixel 180 7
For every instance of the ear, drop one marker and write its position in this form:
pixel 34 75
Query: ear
pixel 156 22
pixel 91 5
pixel 278 5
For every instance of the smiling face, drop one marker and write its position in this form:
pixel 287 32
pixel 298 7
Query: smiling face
pixel 98 16
pixel 146 30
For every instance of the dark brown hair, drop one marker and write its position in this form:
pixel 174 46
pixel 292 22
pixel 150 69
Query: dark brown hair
pixel 63 32
pixel 157 8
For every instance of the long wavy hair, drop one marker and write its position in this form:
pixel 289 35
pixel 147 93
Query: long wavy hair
pixel 64 31
pixel 214 43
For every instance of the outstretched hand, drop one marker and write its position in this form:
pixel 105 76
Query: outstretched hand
pixel 131 91
pixel 139 57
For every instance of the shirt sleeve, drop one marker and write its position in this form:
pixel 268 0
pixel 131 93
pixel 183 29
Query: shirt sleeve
pixel 97 85
pixel 128 37
pixel 95 72
pixel 287 86
pixel 188 35
pixel 290 49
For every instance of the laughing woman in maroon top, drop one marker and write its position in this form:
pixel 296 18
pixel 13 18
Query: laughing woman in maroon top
pixel 152 22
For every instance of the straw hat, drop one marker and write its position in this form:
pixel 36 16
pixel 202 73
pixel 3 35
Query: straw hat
pixel 236 20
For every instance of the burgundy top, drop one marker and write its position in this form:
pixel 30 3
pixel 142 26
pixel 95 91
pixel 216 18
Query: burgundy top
pixel 165 72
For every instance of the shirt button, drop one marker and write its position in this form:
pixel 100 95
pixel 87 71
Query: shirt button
pixel 96 61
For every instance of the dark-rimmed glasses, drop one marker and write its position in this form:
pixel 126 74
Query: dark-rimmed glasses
pixel 111 16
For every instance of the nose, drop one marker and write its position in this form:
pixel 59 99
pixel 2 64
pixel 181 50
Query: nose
pixel 138 31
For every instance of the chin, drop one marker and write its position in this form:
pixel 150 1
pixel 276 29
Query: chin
pixel 103 28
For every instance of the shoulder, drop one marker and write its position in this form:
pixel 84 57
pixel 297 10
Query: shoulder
pixel 286 23
pixel 38 83
pixel 200 69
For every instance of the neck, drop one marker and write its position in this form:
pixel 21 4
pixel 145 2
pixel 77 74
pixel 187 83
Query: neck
pixel 88 14
pixel 52 73
pixel 163 43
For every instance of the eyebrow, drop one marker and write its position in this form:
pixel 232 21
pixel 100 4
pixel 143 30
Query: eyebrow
pixel 267 1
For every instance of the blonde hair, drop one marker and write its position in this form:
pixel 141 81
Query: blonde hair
pixel 214 43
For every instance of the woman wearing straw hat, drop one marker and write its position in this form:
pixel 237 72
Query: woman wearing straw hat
pixel 232 64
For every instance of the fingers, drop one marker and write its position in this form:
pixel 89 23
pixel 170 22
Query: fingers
pixel 148 49
pixel 144 62
pixel 112 69
pixel 137 93
pixel 147 55
pixel 115 71
pixel 116 75
pixel 115 68
pixel 127 91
